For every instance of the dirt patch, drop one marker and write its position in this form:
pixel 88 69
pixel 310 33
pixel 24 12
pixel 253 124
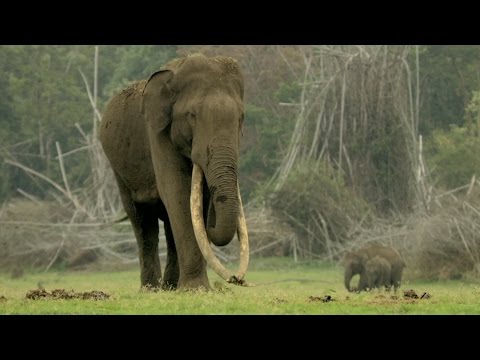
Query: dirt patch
pixel 409 297
pixel 390 299
pixel 326 298
pixel 66 295
pixel 410 294
pixel 94 295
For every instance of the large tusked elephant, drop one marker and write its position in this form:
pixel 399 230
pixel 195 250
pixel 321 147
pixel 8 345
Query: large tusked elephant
pixel 172 142
pixel 355 263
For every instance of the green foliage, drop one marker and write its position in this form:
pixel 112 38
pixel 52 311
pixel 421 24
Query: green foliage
pixel 270 135
pixel 473 111
pixel 137 62
pixel 453 156
pixel 43 96
pixel 449 75
pixel 315 200
pixel 46 98
pixel 288 93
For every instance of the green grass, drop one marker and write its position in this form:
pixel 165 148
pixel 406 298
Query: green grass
pixel 281 287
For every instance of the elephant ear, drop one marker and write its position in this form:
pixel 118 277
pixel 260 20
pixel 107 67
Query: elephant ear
pixel 157 100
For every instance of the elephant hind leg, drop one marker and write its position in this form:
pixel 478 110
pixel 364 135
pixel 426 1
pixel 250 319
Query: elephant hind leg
pixel 396 278
pixel 144 221
pixel 172 269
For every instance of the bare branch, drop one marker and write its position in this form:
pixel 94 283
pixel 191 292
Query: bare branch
pixel 90 97
pixel 62 169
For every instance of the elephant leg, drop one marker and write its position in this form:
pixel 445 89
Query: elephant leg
pixel 191 264
pixel 363 282
pixel 173 184
pixel 144 220
pixel 396 278
pixel 172 270
pixel 386 282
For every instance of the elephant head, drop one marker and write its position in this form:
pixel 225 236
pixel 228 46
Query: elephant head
pixel 354 263
pixel 198 101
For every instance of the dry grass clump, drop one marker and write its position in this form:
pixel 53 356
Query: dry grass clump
pixel 268 234
pixel 447 243
pixel 26 240
pixel 39 235
pixel 439 245
pixel 324 213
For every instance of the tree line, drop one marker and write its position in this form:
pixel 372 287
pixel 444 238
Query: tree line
pixel 43 100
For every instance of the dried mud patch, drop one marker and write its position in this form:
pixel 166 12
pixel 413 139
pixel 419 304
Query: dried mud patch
pixel 326 298
pixel 66 295
pixel 409 297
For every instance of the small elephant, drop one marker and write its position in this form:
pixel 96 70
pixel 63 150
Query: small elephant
pixel 173 143
pixel 355 263
pixel 378 272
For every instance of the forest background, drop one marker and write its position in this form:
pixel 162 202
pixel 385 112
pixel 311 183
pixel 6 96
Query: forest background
pixel 341 146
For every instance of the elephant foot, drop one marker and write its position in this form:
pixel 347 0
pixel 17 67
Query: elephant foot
pixel 150 284
pixel 149 288
pixel 170 285
pixel 170 278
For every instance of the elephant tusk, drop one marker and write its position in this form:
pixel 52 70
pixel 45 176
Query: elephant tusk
pixel 196 206
pixel 243 239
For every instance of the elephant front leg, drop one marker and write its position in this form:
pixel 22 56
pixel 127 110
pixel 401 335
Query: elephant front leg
pixel 396 279
pixel 191 264
pixel 363 282
pixel 173 177
pixel 172 270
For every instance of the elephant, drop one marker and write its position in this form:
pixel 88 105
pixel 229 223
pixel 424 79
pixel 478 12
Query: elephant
pixel 172 141
pixel 378 271
pixel 355 263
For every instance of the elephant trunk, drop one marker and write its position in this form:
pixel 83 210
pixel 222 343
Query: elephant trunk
pixel 196 205
pixel 222 212
pixel 348 278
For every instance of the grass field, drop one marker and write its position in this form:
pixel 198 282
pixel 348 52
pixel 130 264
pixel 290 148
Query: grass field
pixel 281 287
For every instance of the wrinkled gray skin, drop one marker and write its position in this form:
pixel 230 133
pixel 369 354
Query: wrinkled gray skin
pixel 378 272
pixel 152 132
pixel 355 263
